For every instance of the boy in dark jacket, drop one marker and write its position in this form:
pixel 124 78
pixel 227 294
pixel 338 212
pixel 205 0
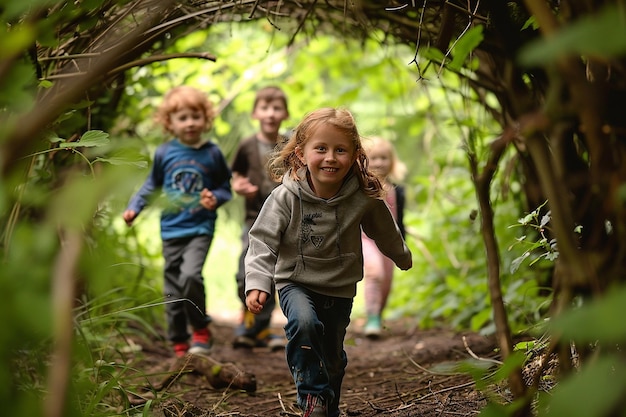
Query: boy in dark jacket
pixel 252 181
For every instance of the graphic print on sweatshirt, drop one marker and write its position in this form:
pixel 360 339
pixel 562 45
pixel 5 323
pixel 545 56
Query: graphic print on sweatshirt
pixel 308 221
pixel 186 186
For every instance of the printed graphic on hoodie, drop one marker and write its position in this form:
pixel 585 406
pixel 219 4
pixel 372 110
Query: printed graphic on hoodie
pixel 307 229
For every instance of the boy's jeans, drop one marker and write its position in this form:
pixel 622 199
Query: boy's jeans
pixel 315 330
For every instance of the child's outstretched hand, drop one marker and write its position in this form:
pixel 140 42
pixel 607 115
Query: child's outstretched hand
pixel 208 199
pixel 242 186
pixel 129 216
pixel 255 300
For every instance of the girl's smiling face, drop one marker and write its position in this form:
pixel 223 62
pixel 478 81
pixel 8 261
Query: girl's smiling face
pixel 329 155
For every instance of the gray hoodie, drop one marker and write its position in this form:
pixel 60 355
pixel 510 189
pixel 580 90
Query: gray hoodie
pixel 304 239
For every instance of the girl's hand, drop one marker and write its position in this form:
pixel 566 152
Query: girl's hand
pixel 255 300
pixel 208 199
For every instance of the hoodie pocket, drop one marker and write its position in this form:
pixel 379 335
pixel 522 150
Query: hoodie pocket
pixel 337 271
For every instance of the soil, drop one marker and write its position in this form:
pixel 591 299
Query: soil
pixel 406 372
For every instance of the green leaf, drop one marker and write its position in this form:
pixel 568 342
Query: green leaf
pixel 481 318
pixel 90 138
pixel 518 261
pixel 594 391
pixel 16 9
pixel 599 35
pixel 500 410
pixel 495 410
pixel 527 219
pixel 464 47
pixel 512 364
pixel 123 161
pixel 432 54
pixel 45 84
pixel 531 23
pixel 16 40
pixel 601 319
pixel 16 86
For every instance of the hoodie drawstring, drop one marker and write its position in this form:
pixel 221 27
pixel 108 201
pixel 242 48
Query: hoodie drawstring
pixel 301 220
pixel 338 233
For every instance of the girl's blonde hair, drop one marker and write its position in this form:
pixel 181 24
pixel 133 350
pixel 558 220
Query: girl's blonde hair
pixel 285 158
pixel 184 97
pixel 398 168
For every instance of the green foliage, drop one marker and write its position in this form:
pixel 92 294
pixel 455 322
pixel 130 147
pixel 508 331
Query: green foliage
pixel 597 390
pixel 424 120
pixel 108 328
pixel 464 46
pixel 600 35
pixel 448 281
pixel 581 325
pixel 597 385
pixel 81 178
pixel 544 248
pixel 67 187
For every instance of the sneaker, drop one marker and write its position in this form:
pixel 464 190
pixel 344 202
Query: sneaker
pixel 245 342
pixel 263 339
pixel 180 349
pixel 316 410
pixel 373 327
pixel 276 342
pixel 201 342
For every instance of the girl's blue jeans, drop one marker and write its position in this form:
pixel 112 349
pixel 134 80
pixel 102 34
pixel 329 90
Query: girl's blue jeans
pixel 315 330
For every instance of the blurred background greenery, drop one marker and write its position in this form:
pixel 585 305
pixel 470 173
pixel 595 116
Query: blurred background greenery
pixel 427 120
pixel 62 212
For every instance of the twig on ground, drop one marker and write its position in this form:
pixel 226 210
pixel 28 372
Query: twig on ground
pixel 428 371
pixel 433 393
pixel 473 355
pixel 399 394
pixel 376 408
pixel 282 405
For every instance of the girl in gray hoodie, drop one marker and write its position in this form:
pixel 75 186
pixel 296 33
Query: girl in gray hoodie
pixel 307 240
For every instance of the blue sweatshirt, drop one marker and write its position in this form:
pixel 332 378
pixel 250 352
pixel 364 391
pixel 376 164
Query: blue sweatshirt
pixel 181 173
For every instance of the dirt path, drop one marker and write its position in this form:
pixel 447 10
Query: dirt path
pixel 392 376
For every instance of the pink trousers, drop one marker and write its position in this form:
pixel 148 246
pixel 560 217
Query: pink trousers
pixel 377 277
